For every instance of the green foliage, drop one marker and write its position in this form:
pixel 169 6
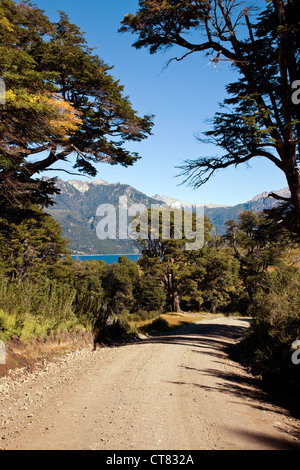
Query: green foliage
pixel 158 325
pixel 273 287
pixel 143 315
pixel 29 309
pixel 119 284
pixel 31 245
pixel 259 243
pixel 43 291
pixel 62 100
pixel 259 118
pixel 276 322
pixel 39 282
pixel 150 291
pixel 194 279
pixel 89 291
pixel 167 257
pixel 219 283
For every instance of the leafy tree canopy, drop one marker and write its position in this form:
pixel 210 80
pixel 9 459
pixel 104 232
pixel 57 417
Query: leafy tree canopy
pixel 260 117
pixel 33 246
pixel 61 101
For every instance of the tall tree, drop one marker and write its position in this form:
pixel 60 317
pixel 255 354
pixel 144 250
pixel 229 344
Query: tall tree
pixel 167 244
pixel 32 246
pixel 61 101
pixel 260 244
pixel 261 118
pixel 119 284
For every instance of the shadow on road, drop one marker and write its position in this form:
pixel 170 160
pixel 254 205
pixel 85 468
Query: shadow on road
pixel 270 442
pixel 221 342
pixel 209 334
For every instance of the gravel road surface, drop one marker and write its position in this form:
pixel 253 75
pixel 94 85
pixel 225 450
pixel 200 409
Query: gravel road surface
pixel 173 392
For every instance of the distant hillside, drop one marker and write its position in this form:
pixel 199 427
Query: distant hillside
pixel 220 214
pixel 75 209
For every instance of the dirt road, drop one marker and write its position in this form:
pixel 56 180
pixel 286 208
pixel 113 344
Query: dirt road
pixel 176 392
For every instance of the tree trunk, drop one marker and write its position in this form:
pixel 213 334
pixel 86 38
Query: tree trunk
pixel 214 306
pixel 176 303
pixel 293 178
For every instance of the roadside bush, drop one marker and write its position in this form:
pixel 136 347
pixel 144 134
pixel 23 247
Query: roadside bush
pixel 276 323
pixel 27 327
pixel 159 325
pixel 45 297
pixel 32 308
pixel 150 294
pixel 119 329
pixel 143 315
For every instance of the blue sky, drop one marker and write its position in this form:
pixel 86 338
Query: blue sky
pixel 182 98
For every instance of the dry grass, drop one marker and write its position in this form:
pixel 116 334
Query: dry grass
pixel 173 320
pixel 176 320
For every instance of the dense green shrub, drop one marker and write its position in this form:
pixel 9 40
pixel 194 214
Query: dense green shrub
pixel 29 309
pixel 159 324
pixel 276 322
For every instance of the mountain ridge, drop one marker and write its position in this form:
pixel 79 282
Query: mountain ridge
pixel 75 209
pixel 76 206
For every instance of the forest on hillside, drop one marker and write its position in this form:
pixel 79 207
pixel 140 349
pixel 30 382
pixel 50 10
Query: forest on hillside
pixel 62 103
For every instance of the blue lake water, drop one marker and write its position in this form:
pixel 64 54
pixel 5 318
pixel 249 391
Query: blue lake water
pixel 109 259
